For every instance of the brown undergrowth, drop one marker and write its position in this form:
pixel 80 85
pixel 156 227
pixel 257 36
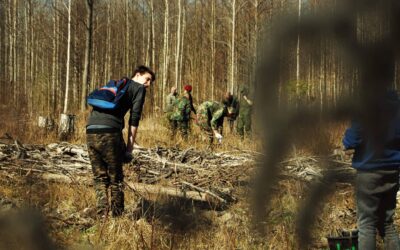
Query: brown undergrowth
pixel 173 224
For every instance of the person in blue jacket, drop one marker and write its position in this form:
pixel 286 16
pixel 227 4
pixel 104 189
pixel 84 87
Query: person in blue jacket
pixel 376 158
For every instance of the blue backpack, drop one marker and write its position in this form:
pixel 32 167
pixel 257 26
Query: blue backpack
pixel 108 97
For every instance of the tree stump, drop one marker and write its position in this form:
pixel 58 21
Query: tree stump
pixel 67 126
pixel 46 123
pixel 50 125
pixel 42 122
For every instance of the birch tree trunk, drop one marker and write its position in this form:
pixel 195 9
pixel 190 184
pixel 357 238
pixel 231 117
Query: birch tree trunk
pixel 31 55
pixel 127 38
pixel 255 41
pixel 107 71
pixel 4 40
pixel 298 54
pixel 14 62
pixel 178 43
pixel 54 68
pixel 165 57
pixel 153 42
pixel 68 59
pixel 147 33
pixel 212 43
pixel 26 49
pixel 10 43
pixel 67 120
pixel 88 53
pixel 182 51
pixel 232 54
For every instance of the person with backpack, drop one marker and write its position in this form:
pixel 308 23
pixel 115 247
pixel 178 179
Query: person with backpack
pixel 375 146
pixel 106 146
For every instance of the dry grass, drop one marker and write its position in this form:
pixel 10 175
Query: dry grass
pixel 171 224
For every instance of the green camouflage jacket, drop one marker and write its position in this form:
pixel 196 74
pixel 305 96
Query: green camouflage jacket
pixel 169 102
pixel 181 109
pixel 245 109
pixel 214 112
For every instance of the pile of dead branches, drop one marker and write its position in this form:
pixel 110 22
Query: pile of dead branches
pixel 189 173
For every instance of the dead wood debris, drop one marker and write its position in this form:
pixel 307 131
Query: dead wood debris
pixel 211 175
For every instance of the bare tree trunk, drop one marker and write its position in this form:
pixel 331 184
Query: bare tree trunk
pixel 55 79
pixel 255 39
pixel 14 56
pixel 127 38
pixel 107 71
pixel 298 54
pixel 10 43
pixel 68 59
pixel 26 49
pixel 178 43
pixel 212 42
pixel 31 56
pixel 53 63
pixel 4 37
pixel 232 61
pixel 165 57
pixel 94 60
pixel 182 46
pixel 88 53
pixel 147 33
pixel 153 42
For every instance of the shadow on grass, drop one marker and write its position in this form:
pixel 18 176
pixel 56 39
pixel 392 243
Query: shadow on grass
pixel 177 215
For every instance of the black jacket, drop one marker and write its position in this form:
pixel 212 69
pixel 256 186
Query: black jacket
pixel 133 100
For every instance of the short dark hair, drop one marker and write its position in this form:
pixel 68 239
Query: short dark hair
pixel 142 70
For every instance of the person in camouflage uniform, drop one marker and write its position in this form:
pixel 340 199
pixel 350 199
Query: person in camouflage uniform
pixel 169 109
pixel 182 109
pixel 188 89
pixel 106 147
pixel 169 102
pixel 210 118
pixel 243 125
pixel 232 103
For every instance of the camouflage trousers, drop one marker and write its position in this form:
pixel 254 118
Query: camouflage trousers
pixel 106 153
pixel 243 126
pixel 231 123
pixel 182 126
pixel 205 126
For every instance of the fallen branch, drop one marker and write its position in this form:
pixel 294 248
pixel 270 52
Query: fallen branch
pixel 204 191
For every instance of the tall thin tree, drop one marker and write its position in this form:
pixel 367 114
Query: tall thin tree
pixel 67 62
pixel 88 52
pixel 178 43
pixel 165 51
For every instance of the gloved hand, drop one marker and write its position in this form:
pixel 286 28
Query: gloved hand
pixel 127 157
pixel 219 137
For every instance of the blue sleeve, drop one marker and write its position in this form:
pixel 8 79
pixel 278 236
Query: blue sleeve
pixel 352 137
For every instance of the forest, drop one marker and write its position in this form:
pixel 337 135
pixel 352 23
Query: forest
pixel 310 67
pixel 55 52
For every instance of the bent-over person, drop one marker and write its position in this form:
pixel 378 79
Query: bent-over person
pixel 106 146
pixel 210 119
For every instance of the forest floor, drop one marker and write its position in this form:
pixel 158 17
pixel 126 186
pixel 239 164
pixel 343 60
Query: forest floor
pixel 163 222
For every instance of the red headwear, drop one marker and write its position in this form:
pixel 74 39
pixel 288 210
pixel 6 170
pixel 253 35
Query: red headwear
pixel 188 88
